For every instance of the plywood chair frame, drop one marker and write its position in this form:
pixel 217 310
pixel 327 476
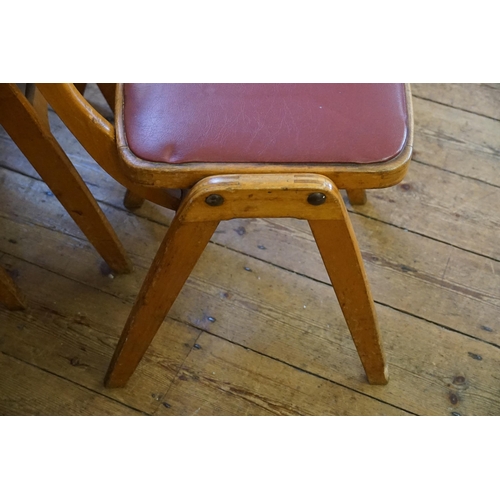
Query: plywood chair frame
pixel 25 119
pixel 222 191
pixel 303 196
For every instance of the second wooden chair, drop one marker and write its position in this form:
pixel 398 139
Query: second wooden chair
pixel 25 119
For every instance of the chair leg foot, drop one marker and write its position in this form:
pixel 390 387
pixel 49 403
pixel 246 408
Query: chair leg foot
pixel 342 258
pixel 174 261
pixel 356 196
pixel 270 195
pixel 132 201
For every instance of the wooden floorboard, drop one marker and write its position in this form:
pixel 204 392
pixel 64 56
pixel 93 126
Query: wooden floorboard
pixel 28 390
pixel 224 378
pixel 482 99
pixel 269 334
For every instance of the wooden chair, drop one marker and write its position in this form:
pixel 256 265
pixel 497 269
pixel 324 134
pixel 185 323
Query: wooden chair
pixel 247 151
pixel 25 119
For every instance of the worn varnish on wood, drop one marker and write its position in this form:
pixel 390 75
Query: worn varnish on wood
pixel 242 190
pixel 436 288
pixel 272 195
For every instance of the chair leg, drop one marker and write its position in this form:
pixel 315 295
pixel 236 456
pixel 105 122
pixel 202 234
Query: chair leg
pixel 173 263
pixel 108 90
pixel 39 146
pixel 9 293
pixel 303 196
pixel 132 201
pixel 340 252
pixel 356 196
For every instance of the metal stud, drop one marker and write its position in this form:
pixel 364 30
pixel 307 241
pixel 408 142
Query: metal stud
pixel 214 200
pixel 316 198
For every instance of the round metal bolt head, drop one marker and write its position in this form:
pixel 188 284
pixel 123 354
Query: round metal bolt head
pixel 214 200
pixel 316 198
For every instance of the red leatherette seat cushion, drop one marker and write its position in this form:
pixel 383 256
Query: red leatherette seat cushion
pixel 285 123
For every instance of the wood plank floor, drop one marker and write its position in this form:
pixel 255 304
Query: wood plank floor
pixel 257 329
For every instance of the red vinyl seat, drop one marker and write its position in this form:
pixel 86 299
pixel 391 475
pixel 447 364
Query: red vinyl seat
pixel 265 123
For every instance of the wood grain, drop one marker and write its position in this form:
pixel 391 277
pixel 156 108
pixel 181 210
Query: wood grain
pixel 178 254
pixel 39 104
pixel 221 378
pixel 97 135
pixel 257 309
pixel 294 320
pixel 467 217
pixel 131 201
pixel 28 390
pixel 32 135
pixel 268 195
pixel 470 210
pixel 357 196
pixel 437 301
pixel 407 271
pixel 71 330
pixel 456 140
pixel 477 98
pixel 340 253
